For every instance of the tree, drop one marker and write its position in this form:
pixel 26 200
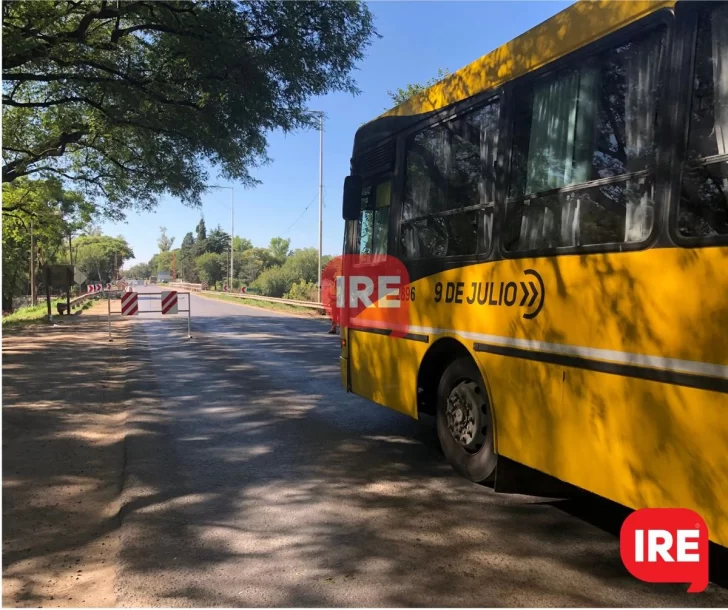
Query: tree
pixel 53 212
pixel 164 242
pixel 186 268
pixel 162 261
pixel 132 99
pixel 140 271
pixel 211 267
pixel 250 263
pixel 218 241
pixel 201 230
pixel 302 264
pixel 241 244
pixel 279 249
pixel 273 282
pixel 101 257
pixel 402 95
pixel 188 242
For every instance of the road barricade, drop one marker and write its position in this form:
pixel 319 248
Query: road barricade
pixel 168 305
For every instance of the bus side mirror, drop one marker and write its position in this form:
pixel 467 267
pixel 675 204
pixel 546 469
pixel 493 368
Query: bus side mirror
pixel 352 198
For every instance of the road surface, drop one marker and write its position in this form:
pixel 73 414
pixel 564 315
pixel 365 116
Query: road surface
pixel 252 478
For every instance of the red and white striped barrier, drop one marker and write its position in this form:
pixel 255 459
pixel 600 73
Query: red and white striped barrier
pixel 129 304
pixel 169 301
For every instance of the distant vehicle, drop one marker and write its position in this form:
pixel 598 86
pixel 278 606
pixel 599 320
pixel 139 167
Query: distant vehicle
pixel 560 207
pixel 153 279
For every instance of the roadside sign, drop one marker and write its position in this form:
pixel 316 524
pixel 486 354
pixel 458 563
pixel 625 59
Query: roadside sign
pixel 129 304
pixel 98 287
pixel 79 277
pixel 169 301
pixel 90 288
pixel 59 276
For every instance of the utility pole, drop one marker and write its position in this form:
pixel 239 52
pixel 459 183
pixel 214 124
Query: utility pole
pixel 232 236
pixel 321 197
pixel 33 293
pixel 70 273
pixel 116 273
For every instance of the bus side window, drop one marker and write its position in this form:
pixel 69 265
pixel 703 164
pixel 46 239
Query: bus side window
pixel 374 219
pixel 450 185
pixel 584 152
pixel 703 207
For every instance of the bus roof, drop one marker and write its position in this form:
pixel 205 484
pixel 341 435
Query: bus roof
pixel 568 30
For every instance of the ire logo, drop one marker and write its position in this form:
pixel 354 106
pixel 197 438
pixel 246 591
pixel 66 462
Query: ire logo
pixel 666 545
pixel 368 291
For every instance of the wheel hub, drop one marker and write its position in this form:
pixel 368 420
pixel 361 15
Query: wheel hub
pixel 466 415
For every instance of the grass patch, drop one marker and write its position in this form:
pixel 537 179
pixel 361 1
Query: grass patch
pixel 38 313
pixel 282 307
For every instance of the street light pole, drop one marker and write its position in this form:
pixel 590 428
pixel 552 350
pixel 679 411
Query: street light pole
pixel 232 236
pixel 232 229
pixel 321 198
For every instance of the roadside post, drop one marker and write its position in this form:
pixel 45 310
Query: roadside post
pixel 108 302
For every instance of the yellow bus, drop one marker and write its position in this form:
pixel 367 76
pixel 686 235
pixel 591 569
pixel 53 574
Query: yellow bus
pixel 561 206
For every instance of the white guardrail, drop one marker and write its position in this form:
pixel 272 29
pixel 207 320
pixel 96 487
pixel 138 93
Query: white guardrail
pixel 245 295
pixel 76 302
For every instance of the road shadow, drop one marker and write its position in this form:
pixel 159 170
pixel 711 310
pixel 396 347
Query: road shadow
pixel 253 479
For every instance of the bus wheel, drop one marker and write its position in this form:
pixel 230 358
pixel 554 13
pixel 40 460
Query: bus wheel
pixel 465 421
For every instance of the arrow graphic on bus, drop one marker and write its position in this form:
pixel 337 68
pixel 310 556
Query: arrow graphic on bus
pixel 536 293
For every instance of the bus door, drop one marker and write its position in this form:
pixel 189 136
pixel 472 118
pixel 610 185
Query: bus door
pixel 369 358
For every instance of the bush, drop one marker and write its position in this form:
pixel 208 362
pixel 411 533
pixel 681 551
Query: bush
pixel 303 291
pixel 273 282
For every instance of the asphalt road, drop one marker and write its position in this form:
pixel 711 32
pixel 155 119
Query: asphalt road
pixel 252 478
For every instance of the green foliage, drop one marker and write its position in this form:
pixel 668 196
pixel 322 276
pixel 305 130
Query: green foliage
pixel 140 271
pixel 241 244
pixel 273 282
pixel 162 261
pixel 164 242
pixel 131 99
pixel 32 313
pixel 211 267
pixel 53 212
pixel 186 267
pixel 303 291
pixel 218 241
pixel 302 264
pixel 187 242
pixel 278 248
pixel 402 95
pixel 250 264
pixel 201 230
pixel 100 257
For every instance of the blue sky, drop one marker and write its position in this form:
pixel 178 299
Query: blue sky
pixel 417 39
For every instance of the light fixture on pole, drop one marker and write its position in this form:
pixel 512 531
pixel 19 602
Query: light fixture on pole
pixel 232 228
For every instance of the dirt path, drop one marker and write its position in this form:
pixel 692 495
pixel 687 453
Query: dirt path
pixel 63 459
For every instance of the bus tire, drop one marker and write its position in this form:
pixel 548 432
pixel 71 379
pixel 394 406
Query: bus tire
pixel 465 421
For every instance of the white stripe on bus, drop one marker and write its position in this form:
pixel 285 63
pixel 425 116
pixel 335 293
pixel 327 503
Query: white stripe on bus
pixel 675 365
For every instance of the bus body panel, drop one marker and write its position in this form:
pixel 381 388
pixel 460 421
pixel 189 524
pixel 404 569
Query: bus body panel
pixel 380 363
pixel 635 440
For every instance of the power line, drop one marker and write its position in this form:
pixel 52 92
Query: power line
pixel 310 203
